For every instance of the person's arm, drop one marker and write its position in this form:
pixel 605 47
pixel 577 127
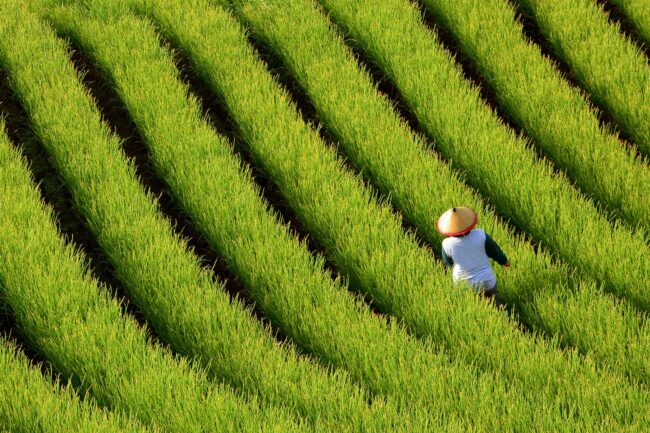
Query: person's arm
pixel 446 259
pixel 494 252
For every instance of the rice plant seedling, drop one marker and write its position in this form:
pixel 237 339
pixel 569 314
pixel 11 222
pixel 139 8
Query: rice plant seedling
pixel 609 67
pixel 61 310
pixel 30 402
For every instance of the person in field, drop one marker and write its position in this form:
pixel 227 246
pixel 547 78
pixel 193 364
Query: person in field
pixel 469 250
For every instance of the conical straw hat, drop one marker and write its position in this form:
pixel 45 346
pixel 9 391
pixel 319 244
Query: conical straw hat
pixel 457 221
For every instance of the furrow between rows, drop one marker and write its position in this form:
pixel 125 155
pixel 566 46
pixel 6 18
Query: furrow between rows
pixel 638 13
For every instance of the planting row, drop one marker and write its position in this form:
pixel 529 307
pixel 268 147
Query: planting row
pixel 187 310
pixel 99 40
pixel 610 67
pixel 62 311
pixel 280 273
pixel 638 13
pixel 423 187
pixel 28 402
pixel 555 116
pixel 362 238
pixel 496 162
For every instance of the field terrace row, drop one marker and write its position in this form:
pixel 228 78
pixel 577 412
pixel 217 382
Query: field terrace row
pixel 355 340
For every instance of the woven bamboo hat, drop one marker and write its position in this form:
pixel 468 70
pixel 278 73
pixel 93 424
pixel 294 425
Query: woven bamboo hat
pixel 457 221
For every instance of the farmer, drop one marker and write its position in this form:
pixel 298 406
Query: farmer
pixel 469 251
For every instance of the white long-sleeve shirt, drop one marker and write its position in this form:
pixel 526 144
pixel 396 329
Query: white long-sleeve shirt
pixel 471 262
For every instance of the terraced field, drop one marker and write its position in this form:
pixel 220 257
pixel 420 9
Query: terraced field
pixel 221 215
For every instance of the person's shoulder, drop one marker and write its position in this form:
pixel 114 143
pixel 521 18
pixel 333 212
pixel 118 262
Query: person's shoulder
pixel 479 232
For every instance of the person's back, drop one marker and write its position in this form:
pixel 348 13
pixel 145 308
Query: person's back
pixel 470 260
pixel 469 251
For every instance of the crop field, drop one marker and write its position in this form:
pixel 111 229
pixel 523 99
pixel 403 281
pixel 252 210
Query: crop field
pixel 221 215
